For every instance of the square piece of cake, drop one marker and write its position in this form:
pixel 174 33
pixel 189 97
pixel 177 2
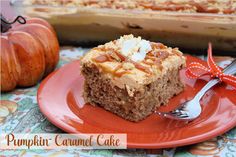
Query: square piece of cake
pixel 131 77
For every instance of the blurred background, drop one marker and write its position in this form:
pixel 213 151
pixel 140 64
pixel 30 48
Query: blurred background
pixel 89 24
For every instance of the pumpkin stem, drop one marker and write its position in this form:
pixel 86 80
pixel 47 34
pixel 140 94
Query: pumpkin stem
pixel 6 25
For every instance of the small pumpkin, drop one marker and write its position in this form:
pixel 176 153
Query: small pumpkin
pixel 29 52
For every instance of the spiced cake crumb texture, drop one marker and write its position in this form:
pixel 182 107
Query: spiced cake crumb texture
pixel 132 77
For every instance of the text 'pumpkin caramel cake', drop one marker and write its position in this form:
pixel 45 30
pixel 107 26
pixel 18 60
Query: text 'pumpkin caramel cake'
pixel 131 77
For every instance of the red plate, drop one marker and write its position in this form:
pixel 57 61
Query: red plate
pixel 60 100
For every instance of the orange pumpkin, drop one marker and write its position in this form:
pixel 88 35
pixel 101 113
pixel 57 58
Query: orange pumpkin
pixel 28 52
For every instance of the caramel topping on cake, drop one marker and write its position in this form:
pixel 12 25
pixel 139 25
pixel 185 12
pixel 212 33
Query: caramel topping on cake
pixel 142 68
pixel 102 58
pixel 155 53
pixel 152 58
pixel 119 71
pixel 134 57
pixel 128 46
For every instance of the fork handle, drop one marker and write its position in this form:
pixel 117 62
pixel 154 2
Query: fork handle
pixel 209 85
pixel 230 69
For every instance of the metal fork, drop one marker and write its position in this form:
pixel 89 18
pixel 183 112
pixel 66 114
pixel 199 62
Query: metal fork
pixel 191 109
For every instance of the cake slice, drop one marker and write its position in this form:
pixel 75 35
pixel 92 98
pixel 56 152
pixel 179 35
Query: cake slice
pixel 131 77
